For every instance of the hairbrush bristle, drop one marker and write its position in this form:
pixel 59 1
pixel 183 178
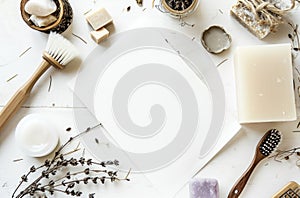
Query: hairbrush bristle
pixel 59 48
pixel 270 142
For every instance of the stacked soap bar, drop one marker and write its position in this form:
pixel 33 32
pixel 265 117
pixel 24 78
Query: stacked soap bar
pixel 204 188
pixel 99 35
pixel 99 18
pixel 264 83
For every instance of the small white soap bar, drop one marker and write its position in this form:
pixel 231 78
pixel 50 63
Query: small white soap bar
pixel 43 21
pixel 35 136
pixel 40 7
pixel 99 35
pixel 98 18
pixel 264 83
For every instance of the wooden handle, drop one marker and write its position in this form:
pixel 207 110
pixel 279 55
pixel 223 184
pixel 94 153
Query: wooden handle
pixel 242 181
pixel 21 95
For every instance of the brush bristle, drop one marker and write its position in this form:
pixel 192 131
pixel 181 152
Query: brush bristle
pixel 270 142
pixel 61 49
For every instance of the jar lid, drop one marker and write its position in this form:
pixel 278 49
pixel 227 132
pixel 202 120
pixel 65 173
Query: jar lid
pixel 179 8
pixel 35 136
pixel 215 39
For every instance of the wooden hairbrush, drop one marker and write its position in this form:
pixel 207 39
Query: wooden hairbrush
pixel 59 52
pixel 264 148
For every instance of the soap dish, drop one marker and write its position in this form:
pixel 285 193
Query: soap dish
pixel 64 14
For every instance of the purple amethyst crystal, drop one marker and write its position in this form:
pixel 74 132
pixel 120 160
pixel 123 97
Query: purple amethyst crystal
pixel 204 188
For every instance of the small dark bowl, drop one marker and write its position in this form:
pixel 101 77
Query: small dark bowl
pixel 64 14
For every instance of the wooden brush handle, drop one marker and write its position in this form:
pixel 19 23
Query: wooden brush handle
pixel 241 183
pixel 21 95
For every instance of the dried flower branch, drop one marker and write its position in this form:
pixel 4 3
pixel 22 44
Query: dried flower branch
pixel 283 155
pixel 294 37
pixel 58 175
pixel 280 155
pixel 295 43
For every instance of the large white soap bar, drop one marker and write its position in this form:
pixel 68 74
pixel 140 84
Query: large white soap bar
pixel 264 82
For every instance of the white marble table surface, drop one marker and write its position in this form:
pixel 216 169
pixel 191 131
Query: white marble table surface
pixel 57 103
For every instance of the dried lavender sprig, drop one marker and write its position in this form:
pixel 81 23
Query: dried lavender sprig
pixel 47 164
pixel 71 184
pixel 56 163
pixel 88 162
pixel 25 177
pixel 54 186
pixel 33 188
pixel 112 176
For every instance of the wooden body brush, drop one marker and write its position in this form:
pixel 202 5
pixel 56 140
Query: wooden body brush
pixel 264 148
pixel 59 52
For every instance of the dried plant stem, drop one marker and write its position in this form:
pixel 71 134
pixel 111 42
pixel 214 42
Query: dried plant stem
pixel 17 160
pixel 15 59
pixel 25 52
pixel 79 38
pixel 50 83
pixel 11 77
pixel 223 61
